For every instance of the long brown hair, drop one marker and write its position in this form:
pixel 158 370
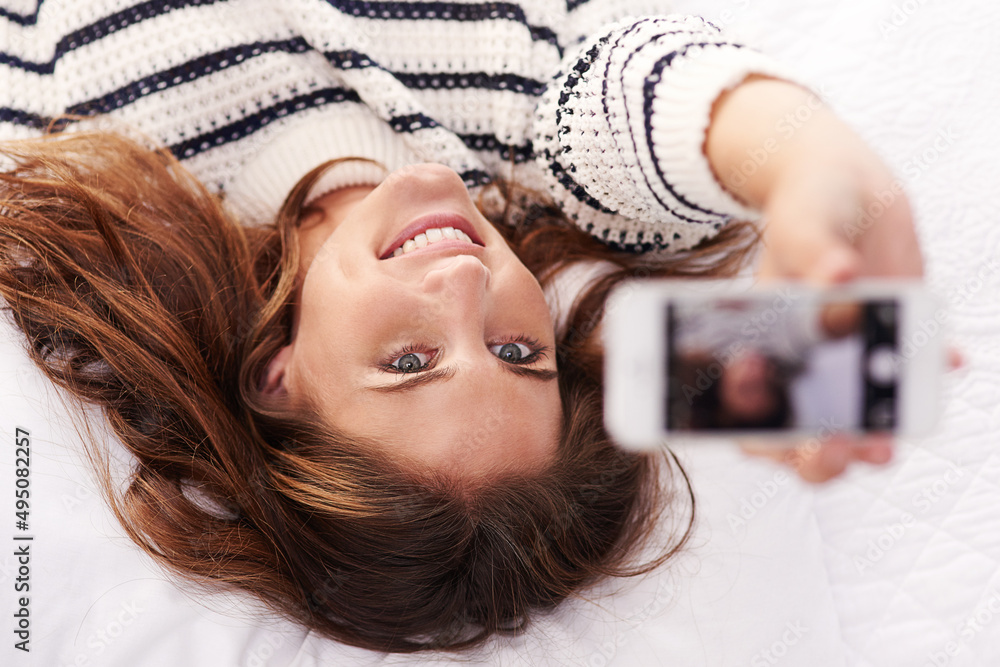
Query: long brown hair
pixel 138 293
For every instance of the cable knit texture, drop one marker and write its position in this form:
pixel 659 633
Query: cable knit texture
pixel 606 113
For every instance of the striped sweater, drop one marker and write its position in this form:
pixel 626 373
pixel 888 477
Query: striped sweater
pixel 604 104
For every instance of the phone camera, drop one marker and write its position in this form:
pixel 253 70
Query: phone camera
pixel 885 314
pixel 882 415
pixel 882 368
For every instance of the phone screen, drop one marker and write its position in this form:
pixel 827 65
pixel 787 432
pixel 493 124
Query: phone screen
pixel 784 361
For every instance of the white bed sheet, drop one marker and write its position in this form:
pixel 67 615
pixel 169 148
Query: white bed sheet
pixel 778 573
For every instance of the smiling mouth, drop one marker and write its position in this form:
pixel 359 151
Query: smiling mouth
pixel 430 237
pixel 444 228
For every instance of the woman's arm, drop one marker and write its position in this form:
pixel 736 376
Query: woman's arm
pixel 832 211
pixel 656 131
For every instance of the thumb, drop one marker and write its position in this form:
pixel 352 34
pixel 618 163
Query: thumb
pixel 815 253
pixel 804 229
pixel 837 263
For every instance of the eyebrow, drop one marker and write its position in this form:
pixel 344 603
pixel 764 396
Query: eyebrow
pixel 444 374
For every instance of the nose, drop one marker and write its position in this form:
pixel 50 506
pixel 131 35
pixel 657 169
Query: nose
pixel 460 283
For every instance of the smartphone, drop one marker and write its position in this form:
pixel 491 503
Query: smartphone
pixel 706 358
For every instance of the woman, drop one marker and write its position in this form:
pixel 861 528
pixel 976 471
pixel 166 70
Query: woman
pixel 376 445
pixel 755 377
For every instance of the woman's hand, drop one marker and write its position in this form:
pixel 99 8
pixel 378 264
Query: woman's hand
pixel 822 460
pixel 832 212
pixel 830 221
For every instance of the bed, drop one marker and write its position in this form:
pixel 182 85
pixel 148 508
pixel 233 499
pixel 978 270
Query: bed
pixel 883 567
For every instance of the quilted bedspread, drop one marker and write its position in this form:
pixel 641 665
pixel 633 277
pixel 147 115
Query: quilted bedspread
pixel 897 566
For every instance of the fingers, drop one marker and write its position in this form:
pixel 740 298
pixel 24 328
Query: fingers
pixel 823 463
pixel 807 249
pixel 827 223
pixel 831 459
pixel 820 261
pixel 817 462
pixel 830 262
pixel 805 215
pixel 837 263
pixel 888 242
pixel 875 449
pixel 956 359
pixel 838 320
pixel 767 266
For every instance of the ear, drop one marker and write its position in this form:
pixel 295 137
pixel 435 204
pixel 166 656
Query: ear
pixel 273 382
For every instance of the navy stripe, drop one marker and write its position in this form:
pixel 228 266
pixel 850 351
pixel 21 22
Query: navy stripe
pixel 21 19
pixel 648 90
pixel 576 189
pixel 474 177
pixel 542 34
pixel 439 80
pixel 351 59
pixel 607 67
pixel 412 122
pixel 419 10
pixel 649 93
pixel 490 142
pixel 448 11
pixel 16 63
pixel 418 121
pixel 636 248
pixel 250 124
pixel 104 27
pixel 152 8
pixel 220 60
pixel 185 73
pixel 557 169
pixel 641 244
pixel 25 118
pixel 123 19
pixel 211 63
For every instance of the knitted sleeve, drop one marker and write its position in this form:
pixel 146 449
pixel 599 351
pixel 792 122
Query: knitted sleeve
pixel 620 130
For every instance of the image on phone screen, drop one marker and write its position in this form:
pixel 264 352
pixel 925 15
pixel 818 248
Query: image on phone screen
pixel 782 362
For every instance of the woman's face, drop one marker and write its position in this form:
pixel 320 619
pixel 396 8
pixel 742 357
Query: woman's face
pixel 747 387
pixel 444 354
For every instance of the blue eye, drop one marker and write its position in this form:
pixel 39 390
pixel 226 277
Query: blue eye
pixel 411 362
pixel 411 359
pixel 512 353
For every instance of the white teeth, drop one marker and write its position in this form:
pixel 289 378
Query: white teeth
pixel 430 236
